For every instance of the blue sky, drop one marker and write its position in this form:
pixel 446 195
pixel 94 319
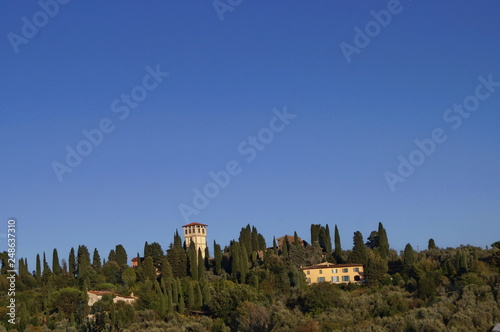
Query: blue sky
pixel 353 119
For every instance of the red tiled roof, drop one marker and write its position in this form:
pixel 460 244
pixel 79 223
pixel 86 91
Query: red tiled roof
pixel 194 224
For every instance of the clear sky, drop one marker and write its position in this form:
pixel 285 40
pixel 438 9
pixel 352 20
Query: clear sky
pixel 358 93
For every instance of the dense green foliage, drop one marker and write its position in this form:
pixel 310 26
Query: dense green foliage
pixel 248 287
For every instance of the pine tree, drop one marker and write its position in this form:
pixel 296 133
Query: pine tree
pixel 337 254
pixel 96 260
pixel 72 263
pixel 56 267
pixel 359 252
pixel 383 241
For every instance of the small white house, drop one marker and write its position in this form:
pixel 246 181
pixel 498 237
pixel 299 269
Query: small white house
pixel 95 296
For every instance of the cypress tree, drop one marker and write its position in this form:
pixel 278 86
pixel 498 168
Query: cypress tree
pixel 275 247
pixel 244 264
pixel 175 292
pixel 235 260
pixel 166 271
pixel 199 297
pixel 314 233
pixel 337 254
pixel 432 244
pixel 359 252
pixel 146 250
pixel 83 262
pixel 72 263
pixel 149 269
pixel 181 306
pixel 296 241
pixel 112 255
pixel 284 247
pixel 245 238
pixel 328 240
pixel 383 241
pixel 201 266
pixel 409 259
pixel 38 271
pixel 190 294
pixel 206 295
pixel 46 269
pixel 121 256
pixel 96 260
pixel 193 264
pixel 262 242
pixel 217 258
pixel 255 240
pixel 207 259
pixel 56 267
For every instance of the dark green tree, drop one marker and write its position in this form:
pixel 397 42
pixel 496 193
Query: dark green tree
pixel 72 263
pixel 359 252
pixel 56 267
pixel 121 256
pixel 38 271
pixel 201 266
pixel 112 255
pixel 337 254
pixel 96 260
pixel 383 241
pixel 217 258
pixel 192 261
pixel 149 269
pixel 409 259
pixel 431 245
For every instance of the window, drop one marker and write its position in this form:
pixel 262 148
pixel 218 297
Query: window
pixel 203 230
pixel 335 279
pixel 321 279
pixel 308 272
pixel 308 280
pixel 345 278
pixel 356 269
pixel 335 271
pixel 345 270
pixel 320 271
pixel 190 231
pixel 185 231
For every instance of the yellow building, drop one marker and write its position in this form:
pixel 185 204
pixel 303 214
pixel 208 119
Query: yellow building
pixel 334 273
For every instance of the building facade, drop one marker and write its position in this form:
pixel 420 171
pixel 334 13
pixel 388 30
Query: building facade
pixel 95 296
pixel 334 273
pixel 197 233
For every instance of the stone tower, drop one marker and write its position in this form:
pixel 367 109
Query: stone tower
pixel 197 233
